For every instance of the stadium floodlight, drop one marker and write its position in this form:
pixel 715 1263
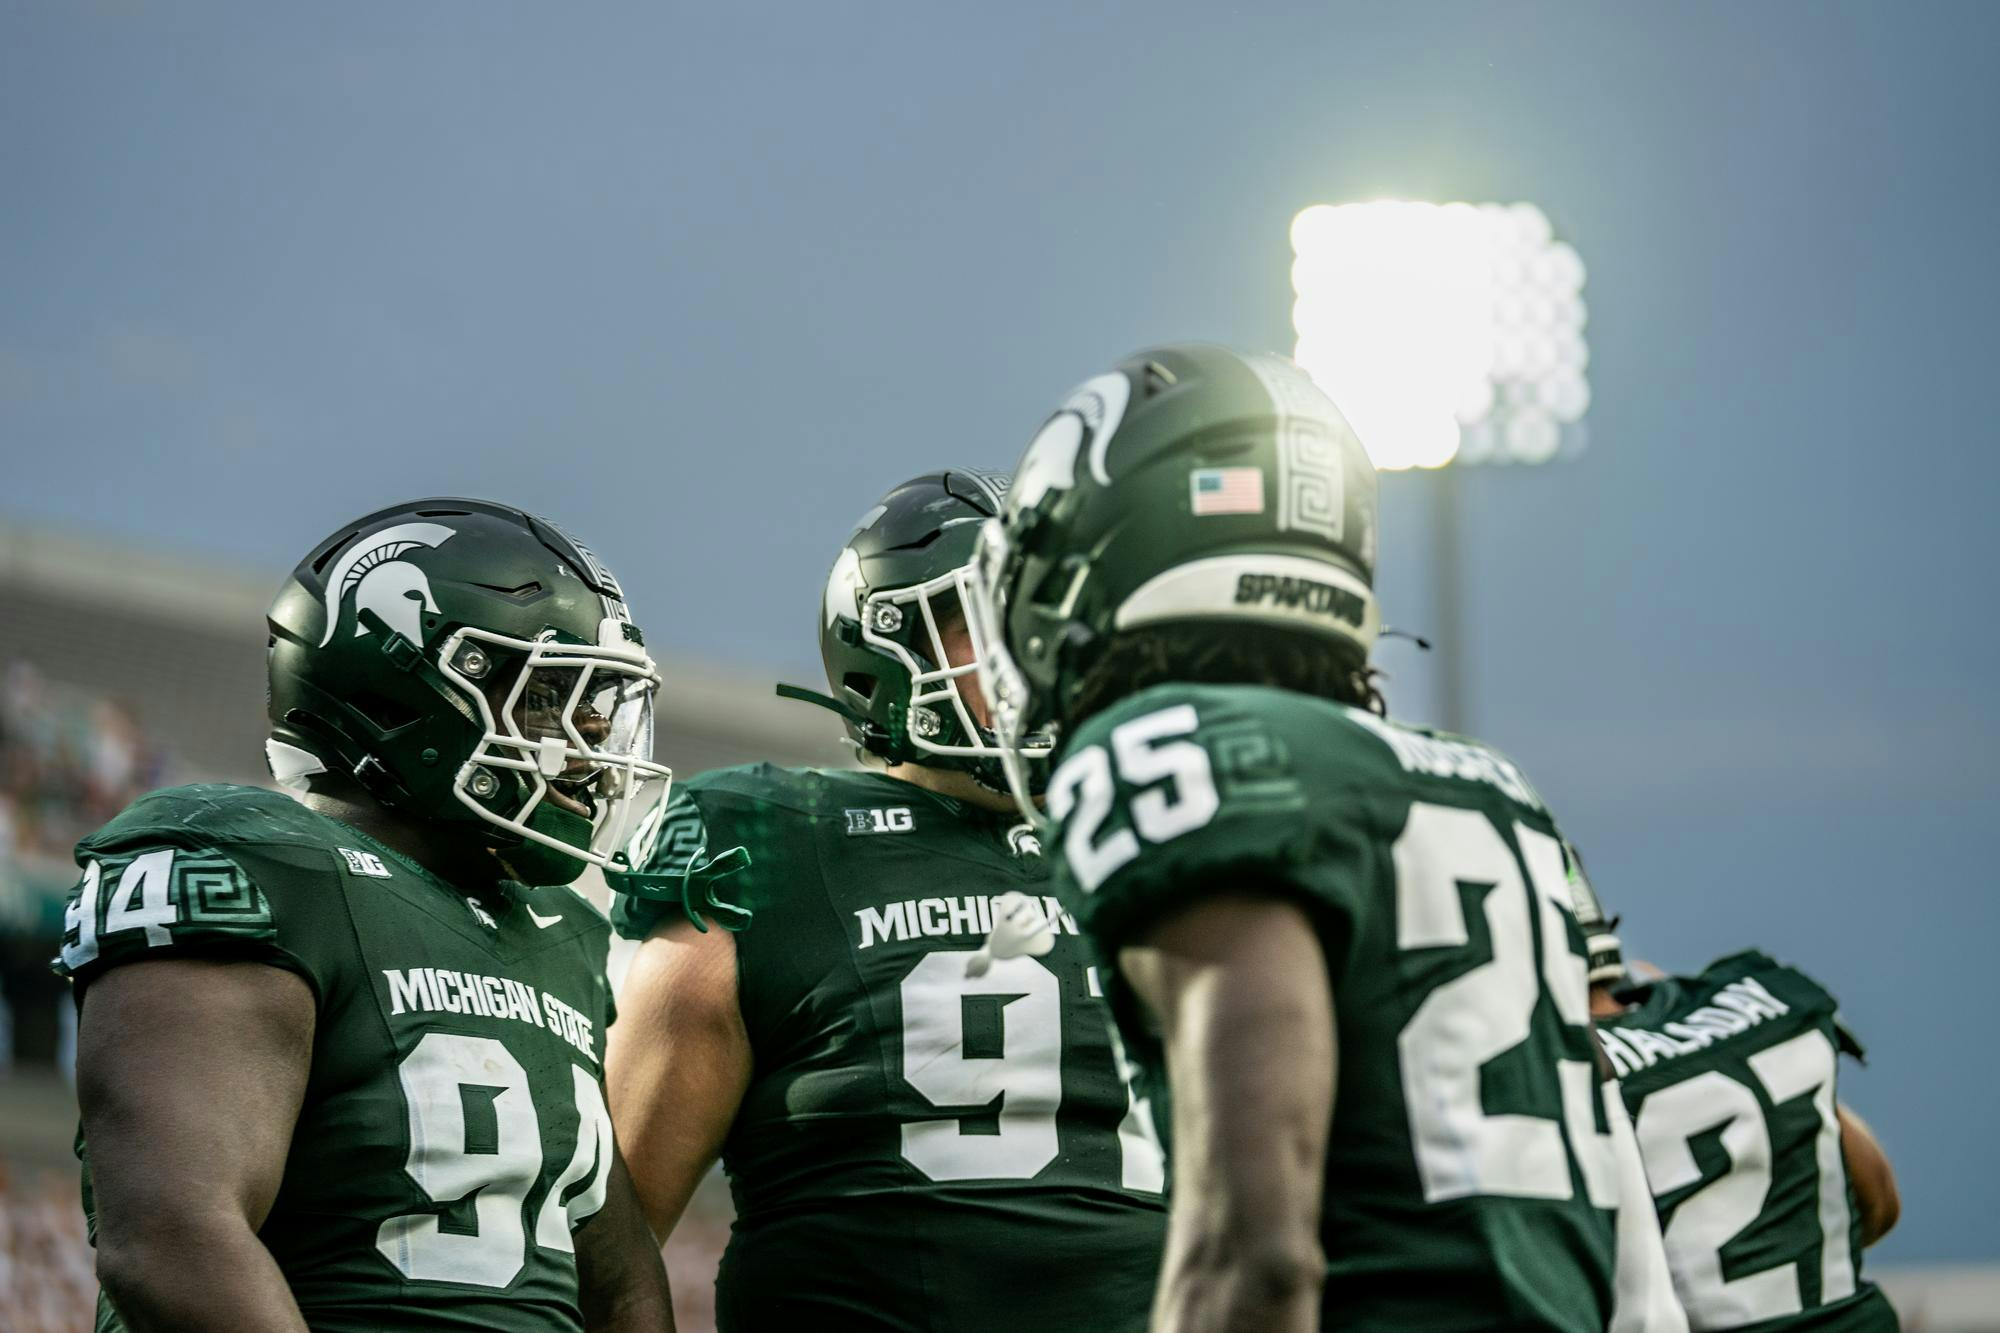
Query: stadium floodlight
pixel 1444 331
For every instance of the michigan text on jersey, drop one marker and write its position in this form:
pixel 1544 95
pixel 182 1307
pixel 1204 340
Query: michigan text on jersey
pixel 915 918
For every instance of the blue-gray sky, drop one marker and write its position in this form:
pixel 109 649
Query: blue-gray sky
pixel 700 281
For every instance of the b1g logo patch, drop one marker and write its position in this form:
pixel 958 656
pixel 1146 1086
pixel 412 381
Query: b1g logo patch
pixel 894 819
pixel 364 863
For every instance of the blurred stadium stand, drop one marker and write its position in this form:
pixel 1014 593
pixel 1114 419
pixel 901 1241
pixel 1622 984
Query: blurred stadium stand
pixel 124 670
pixel 183 643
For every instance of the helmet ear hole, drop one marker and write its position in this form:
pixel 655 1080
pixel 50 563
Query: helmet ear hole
pixel 859 683
pixel 1055 584
pixel 384 713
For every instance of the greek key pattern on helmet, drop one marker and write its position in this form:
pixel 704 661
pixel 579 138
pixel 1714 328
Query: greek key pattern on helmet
pixel 1311 488
pixel 599 575
pixel 593 568
pixel 993 485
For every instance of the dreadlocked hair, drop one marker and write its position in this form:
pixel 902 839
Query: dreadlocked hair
pixel 1216 653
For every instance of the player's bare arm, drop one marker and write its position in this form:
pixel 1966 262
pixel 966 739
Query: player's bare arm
pixel 1874 1180
pixel 1240 990
pixel 1681 1080
pixel 622 1284
pixel 386 1110
pixel 678 1064
pixel 190 1075
pixel 841 1041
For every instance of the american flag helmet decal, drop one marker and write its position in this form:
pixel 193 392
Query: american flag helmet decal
pixel 1225 490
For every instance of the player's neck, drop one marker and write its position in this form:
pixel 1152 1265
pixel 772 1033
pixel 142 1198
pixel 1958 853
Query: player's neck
pixel 453 860
pixel 951 783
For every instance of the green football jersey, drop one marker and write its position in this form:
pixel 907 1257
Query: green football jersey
pixel 1730 1077
pixel 919 1148
pixel 1469 1178
pixel 453 1131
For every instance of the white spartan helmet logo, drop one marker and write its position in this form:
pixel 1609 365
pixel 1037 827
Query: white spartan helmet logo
pixel 1088 417
pixel 393 589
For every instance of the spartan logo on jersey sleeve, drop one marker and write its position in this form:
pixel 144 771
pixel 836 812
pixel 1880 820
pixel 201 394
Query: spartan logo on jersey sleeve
pixel 377 579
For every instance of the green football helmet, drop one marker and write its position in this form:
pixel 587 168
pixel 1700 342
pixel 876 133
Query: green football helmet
pixel 1606 953
pixel 469 663
pixel 1189 484
pixel 901 576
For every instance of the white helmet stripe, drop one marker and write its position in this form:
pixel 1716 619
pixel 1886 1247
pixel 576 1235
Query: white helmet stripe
pixel 992 485
pixel 1285 590
pixel 1312 490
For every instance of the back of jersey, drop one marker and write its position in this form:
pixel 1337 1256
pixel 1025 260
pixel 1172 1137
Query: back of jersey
pixel 1730 1077
pixel 1469 1172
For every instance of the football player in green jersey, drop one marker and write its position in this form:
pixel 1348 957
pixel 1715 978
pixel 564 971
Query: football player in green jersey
pixel 1767 1187
pixel 917 1137
pixel 1346 944
pixel 339 1058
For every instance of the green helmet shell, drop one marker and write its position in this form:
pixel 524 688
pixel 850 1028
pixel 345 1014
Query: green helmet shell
pixel 886 666
pixel 1600 931
pixel 1190 483
pixel 383 637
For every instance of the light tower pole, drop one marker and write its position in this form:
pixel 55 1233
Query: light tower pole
pixel 1448 602
pixel 1450 335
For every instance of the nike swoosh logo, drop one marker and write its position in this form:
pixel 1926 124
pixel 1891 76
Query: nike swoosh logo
pixel 543 921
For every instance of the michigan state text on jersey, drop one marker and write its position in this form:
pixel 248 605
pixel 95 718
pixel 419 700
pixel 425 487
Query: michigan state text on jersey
pixel 1181 583
pixel 453 1129
pixel 910 1127
pixel 339 1067
pixel 1731 1077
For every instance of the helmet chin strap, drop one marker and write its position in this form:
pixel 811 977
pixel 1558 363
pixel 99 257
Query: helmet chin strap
pixel 693 887
pixel 896 752
pixel 986 771
pixel 826 701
